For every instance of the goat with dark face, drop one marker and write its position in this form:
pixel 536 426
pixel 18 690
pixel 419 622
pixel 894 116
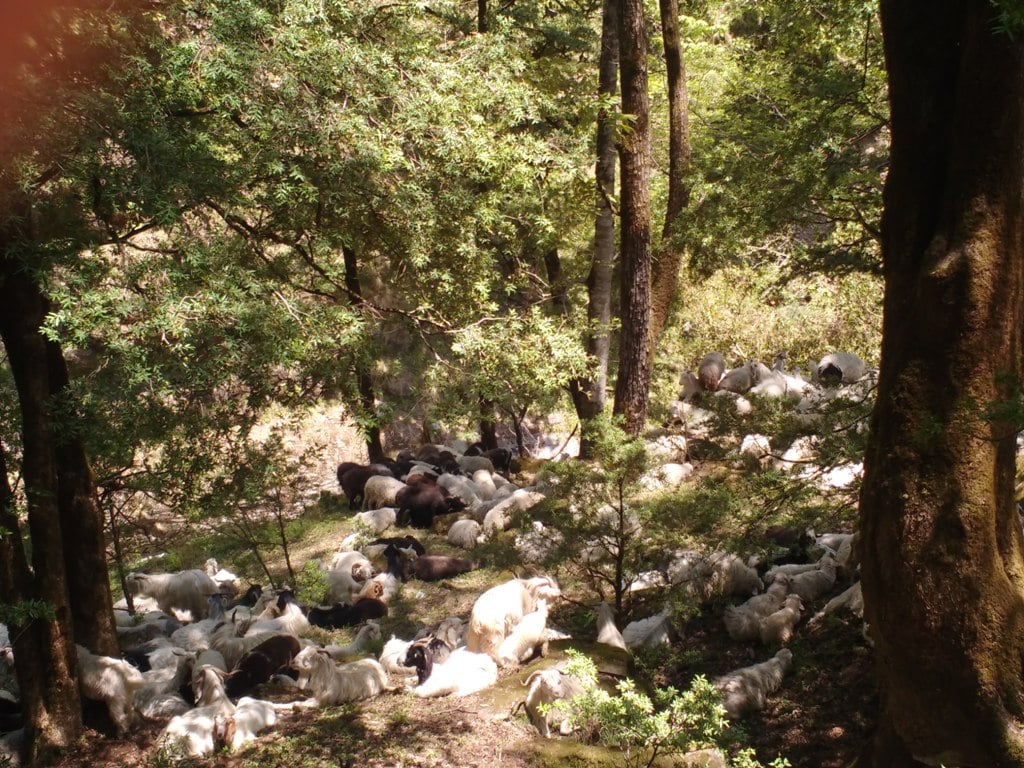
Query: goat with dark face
pixel 419 504
pixel 261 663
pixel 339 615
pixel 424 654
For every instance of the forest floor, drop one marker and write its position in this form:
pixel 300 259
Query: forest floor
pixel 821 718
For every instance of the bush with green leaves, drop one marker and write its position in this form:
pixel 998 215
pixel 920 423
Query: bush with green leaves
pixel 643 727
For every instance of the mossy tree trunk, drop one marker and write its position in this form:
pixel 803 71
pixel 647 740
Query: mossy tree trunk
pixel 632 384
pixel 943 573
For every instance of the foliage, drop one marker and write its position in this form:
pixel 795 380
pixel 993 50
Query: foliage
pixel 669 722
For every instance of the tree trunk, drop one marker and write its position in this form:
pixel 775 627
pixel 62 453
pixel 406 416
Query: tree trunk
pixel 367 395
pixel 488 427
pixel 633 382
pixel 588 396
pixel 81 522
pixel 481 16
pixel 943 574
pixel 44 648
pixel 667 263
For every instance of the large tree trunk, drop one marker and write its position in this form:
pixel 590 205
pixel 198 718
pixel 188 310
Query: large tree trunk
pixel 588 396
pixel 81 522
pixel 668 260
pixel 943 574
pixel 44 648
pixel 367 394
pixel 633 382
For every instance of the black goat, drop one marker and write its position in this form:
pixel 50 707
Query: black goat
pixel 419 504
pixel 353 477
pixel 424 654
pixel 340 615
pixel 261 663
pixel 437 567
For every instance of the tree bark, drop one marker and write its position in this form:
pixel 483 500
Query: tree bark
pixel 943 574
pixel 481 16
pixel 364 384
pixel 44 648
pixel 81 521
pixel 588 395
pixel 669 259
pixel 632 384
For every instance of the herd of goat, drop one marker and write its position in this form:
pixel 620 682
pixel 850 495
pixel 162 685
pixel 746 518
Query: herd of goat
pixel 195 654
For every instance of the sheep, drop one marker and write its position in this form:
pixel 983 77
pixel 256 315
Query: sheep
pixel 547 686
pixel 471 464
pixel 743 622
pixel 332 683
pixel 526 638
pixel 378 520
pixel 840 368
pixel 461 488
pixel 196 732
pixel 710 371
pixel 501 607
pixel 261 663
pixel 184 591
pixel 381 491
pixel 535 545
pixel 353 479
pixel 813 584
pixel 437 567
pixel 747 689
pixel 755 451
pixel 462 673
pixel 648 633
pixel 420 503
pixel 347 576
pixel 607 632
pixel 499 516
pixel 112 681
pixel 777 628
pixel 738 380
pixel 852 599
pixel 485 483
pixel 367 634
pixel 465 534
pixel 733 577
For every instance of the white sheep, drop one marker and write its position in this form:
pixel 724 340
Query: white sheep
pixel 851 599
pixel 381 491
pixel 499 516
pixel 501 607
pixel 112 681
pixel 331 683
pixel 525 637
pixel 777 628
pixel 747 689
pixel 486 483
pixel 743 622
pixel 607 632
pixel 465 534
pixel 378 520
pixel 813 584
pixel 460 487
pixel 183 591
pixel 461 674
pixel 547 686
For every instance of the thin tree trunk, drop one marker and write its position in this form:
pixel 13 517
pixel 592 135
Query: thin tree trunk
pixel 44 648
pixel 367 395
pixel 481 16
pixel 942 565
pixel 588 395
pixel 488 428
pixel 85 553
pixel 668 261
pixel 632 384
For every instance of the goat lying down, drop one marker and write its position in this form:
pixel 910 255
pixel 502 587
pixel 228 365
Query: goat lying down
pixel 331 683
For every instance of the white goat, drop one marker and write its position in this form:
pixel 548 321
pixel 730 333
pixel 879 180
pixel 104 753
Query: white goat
pixel 525 637
pixel 292 621
pixel 159 699
pixel 743 622
pixel 547 686
pixel 381 491
pixel 392 659
pixel 199 731
pixel 331 683
pixel 249 717
pixel 378 520
pixel 777 628
pixel 500 608
pixel 813 584
pixel 112 681
pixel 461 674
pixel 465 534
pixel 347 576
pixel 184 591
pixel 747 689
